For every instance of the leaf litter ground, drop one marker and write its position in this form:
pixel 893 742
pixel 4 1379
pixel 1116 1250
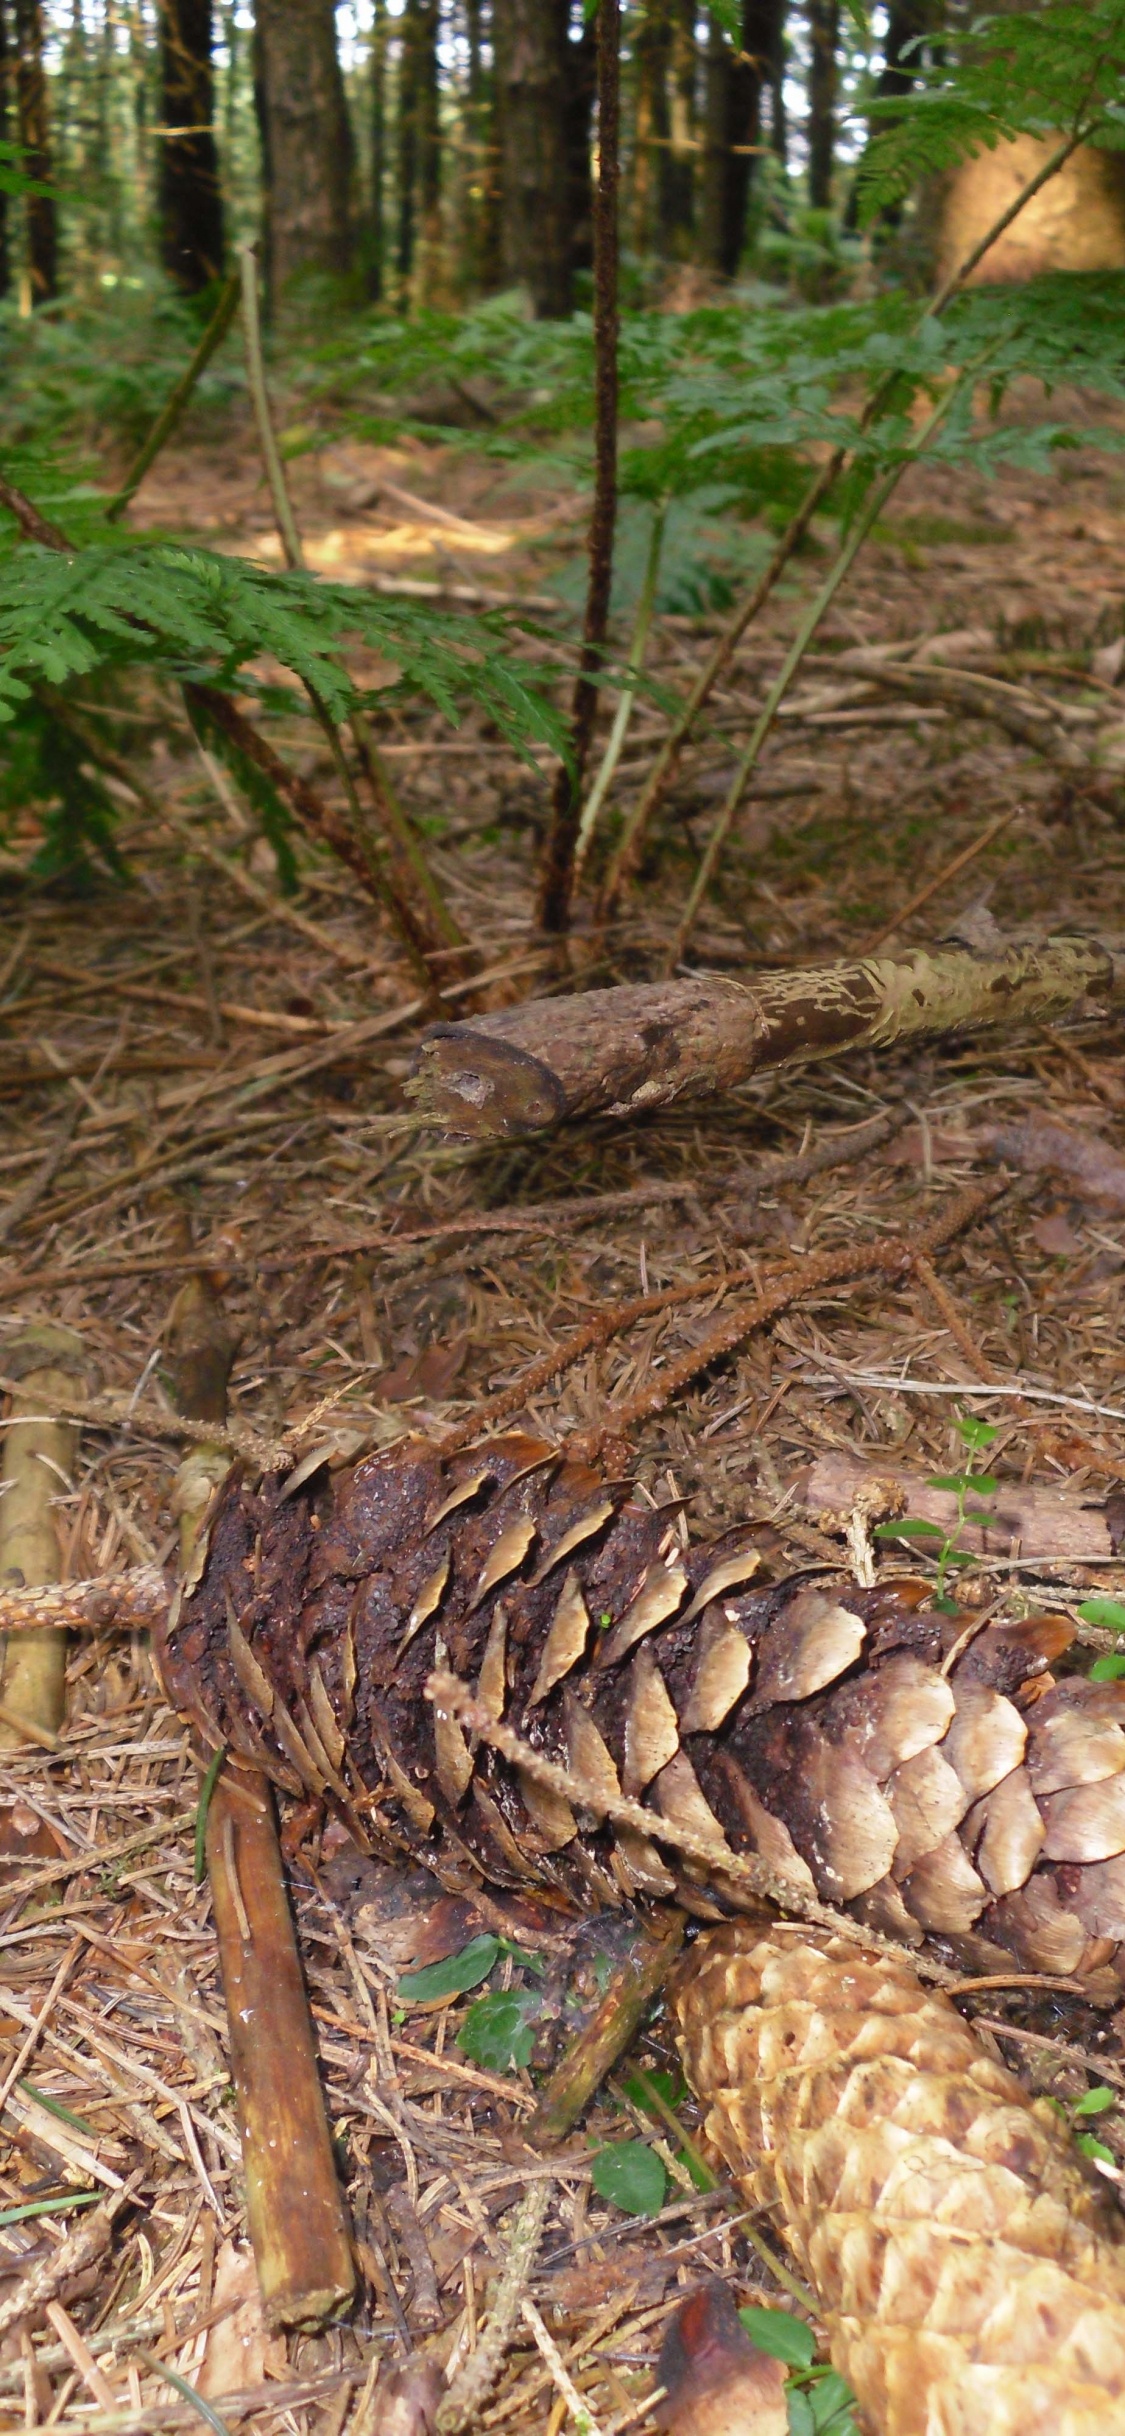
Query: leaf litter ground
pixel 186 1049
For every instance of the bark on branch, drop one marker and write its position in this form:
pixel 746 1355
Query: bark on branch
pixel 621 1050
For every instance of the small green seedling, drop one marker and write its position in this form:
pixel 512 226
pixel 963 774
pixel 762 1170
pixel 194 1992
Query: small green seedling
pixel 1110 1615
pixel 819 2401
pixel 975 1436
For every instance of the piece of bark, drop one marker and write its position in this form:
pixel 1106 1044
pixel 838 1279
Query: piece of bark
pixel 622 1050
pixel 37 1459
pixel 1038 1143
pixel 1024 1520
pixel 968 2268
pixel 294 2205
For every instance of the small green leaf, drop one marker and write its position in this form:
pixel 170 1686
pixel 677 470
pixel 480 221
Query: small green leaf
pixel 832 2402
pixel 1108 1612
pixel 784 2338
pixel 974 1432
pixel 1107 1670
pixel 909 1528
pixel 452 1977
pixel 1095 2148
pixel 54 2106
pixel 954 1481
pixel 642 2087
pixel 800 2409
pixel 631 2176
pixel 1095 2101
pixel 496 2031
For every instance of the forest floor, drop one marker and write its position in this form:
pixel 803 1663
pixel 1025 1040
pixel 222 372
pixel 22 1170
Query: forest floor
pixel 210 1065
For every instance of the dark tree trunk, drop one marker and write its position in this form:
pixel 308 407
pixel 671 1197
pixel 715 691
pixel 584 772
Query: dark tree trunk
pixel 35 136
pixel 377 233
pixel 191 206
pixel 5 64
pixel 734 121
pixel 530 40
pixel 580 69
pixel 407 145
pixel 652 125
pixel 681 177
pixel 306 141
pixel 483 244
pixel 429 150
pixel 779 123
pixel 824 35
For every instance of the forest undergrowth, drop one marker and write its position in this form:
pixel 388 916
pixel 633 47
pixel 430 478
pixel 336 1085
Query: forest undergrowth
pixel 204 1055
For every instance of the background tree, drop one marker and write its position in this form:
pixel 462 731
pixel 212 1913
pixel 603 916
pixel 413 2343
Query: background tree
pixel 735 87
pixel 191 204
pixel 34 123
pixel 306 142
pixel 824 46
pixel 535 108
pixel 5 137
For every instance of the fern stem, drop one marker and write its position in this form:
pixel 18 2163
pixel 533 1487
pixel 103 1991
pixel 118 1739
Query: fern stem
pixel 171 411
pixel 631 842
pixel 619 730
pixel 815 612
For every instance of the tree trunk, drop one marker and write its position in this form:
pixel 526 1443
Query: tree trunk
pixel 580 75
pixel 734 119
pixel 530 40
pixel 681 159
pixel 824 35
pixel 652 129
pixel 377 233
pixel 5 67
pixel 35 136
pixel 191 207
pixel 307 142
pixel 644 1046
pixel 428 270
pixel 407 146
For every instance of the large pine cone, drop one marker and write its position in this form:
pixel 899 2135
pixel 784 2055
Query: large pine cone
pixel 925 1774
pixel 970 2274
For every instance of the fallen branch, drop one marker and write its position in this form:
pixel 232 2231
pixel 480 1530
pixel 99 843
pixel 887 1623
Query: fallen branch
pixel 38 1456
pixel 293 2202
pixel 1033 1521
pixel 629 1049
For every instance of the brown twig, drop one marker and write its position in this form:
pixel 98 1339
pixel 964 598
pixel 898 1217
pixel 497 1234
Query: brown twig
pixel 293 2200
pixel 891 1256
pixel 556 878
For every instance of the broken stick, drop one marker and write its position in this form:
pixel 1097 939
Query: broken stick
pixel 620 1051
pixel 39 1451
pixel 293 2200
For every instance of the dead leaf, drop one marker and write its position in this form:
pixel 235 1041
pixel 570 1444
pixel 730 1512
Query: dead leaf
pixel 240 2352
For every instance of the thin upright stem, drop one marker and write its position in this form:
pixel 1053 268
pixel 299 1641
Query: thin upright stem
pixel 815 612
pixel 612 755
pixel 556 881
pixel 171 412
pixel 284 518
pixel 631 843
